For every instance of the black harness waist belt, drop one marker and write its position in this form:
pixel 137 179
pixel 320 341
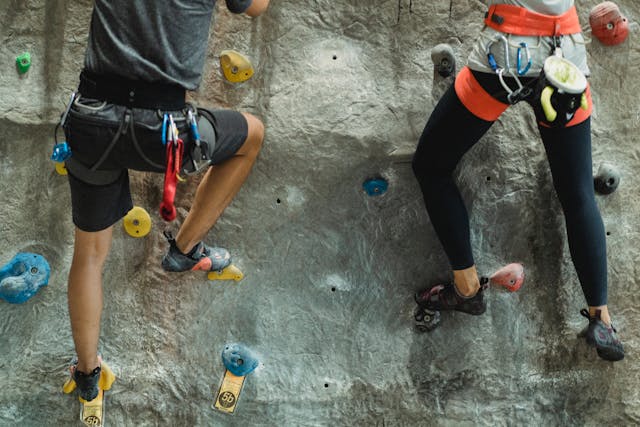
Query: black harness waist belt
pixel 132 93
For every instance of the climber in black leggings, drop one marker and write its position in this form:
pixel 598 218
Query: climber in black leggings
pixel 463 115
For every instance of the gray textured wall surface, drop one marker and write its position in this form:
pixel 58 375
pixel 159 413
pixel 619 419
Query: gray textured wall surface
pixel 345 88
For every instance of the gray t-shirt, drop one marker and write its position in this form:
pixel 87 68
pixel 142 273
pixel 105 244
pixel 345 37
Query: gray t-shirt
pixel 153 40
pixel 573 46
pixel 546 7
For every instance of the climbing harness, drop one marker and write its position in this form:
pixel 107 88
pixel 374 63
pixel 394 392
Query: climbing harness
pixel 521 92
pixel 62 151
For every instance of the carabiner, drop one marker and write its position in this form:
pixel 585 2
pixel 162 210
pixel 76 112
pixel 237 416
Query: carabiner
pixel 165 120
pixel 522 71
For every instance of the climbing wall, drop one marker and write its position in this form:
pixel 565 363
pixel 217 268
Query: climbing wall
pixel 344 88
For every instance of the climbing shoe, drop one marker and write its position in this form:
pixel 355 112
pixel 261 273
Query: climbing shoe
pixel 446 297
pixel 201 257
pixel 87 383
pixel 603 337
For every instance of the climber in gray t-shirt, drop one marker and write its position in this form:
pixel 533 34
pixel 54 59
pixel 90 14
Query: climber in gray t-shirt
pixel 141 57
pixel 152 40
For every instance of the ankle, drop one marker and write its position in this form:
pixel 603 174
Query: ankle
pixel 87 367
pixel 466 282
pixel 603 312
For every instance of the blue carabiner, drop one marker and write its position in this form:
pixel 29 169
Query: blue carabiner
pixel 165 120
pixel 193 123
pixel 522 71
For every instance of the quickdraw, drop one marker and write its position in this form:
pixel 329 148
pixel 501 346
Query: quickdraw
pixel 175 147
pixel 522 92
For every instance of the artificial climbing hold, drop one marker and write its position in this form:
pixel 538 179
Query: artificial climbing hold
pixel 61 168
pixel 23 62
pixel 239 359
pixel 444 59
pixel 608 24
pixel 607 179
pixel 230 272
pixel 21 277
pixel 235 66
pixel 375 186
pixel 137 222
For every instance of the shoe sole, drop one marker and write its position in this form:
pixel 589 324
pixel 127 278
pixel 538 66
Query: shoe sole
pixel 605 351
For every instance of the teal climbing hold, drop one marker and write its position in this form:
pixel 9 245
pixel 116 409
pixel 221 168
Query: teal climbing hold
pixel 239 359
pixel 21 277
pixel 23 62
pixel 375 186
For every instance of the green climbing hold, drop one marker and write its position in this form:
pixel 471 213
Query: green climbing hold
pixel 23 62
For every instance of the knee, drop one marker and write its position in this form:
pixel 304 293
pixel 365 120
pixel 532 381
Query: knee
pixel 255 136
pixel 92 248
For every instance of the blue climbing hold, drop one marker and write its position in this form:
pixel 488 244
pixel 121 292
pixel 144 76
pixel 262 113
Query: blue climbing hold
pixel 375 186
pixel 239 359
pixel 21 277
pixel 61 152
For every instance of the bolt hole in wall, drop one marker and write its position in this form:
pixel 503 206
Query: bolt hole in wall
pixel 278 201
pixel 335 57
pixel 326 385
pixel 333 289
pixel 488 178
pixel 608 233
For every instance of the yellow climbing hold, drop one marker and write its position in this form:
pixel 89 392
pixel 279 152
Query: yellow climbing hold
pixel 228 273
pixel 235 66
pixel 137 222
pixel 61 168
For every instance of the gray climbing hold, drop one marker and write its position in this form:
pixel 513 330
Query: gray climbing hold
pixel 607 179
pixel 239 359
pixel 444 59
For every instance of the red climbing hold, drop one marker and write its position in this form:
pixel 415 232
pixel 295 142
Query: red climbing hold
pixel 607 23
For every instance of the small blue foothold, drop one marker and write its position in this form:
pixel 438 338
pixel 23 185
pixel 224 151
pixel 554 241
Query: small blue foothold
pixel 61 152
pixel 21 277
pixel 375 186
pixel 239 359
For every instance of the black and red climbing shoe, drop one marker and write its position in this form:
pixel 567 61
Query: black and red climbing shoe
pixel 602 336
pixel 201 257
pixel 446 297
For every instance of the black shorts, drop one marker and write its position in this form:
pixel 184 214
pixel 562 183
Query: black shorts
pixel 108 139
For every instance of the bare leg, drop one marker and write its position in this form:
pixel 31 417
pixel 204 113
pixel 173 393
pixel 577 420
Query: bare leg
pixel 219 186
pixel 467 281
pixel 85 294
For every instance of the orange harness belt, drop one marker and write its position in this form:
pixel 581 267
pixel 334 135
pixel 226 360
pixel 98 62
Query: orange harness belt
pixel 520 21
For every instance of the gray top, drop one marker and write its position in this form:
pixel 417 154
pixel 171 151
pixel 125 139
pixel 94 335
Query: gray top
pixel 153 40
pixel 573 46
pixel 546 7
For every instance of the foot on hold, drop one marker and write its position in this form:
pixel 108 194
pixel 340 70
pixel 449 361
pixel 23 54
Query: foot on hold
pixel 446 297
pixel 602 336
pixel 201 257
pixel 89 384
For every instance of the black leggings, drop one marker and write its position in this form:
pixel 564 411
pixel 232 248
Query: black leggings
pixel 452 130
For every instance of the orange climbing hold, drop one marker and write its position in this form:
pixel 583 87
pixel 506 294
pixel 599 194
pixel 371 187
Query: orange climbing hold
pixel 608 24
